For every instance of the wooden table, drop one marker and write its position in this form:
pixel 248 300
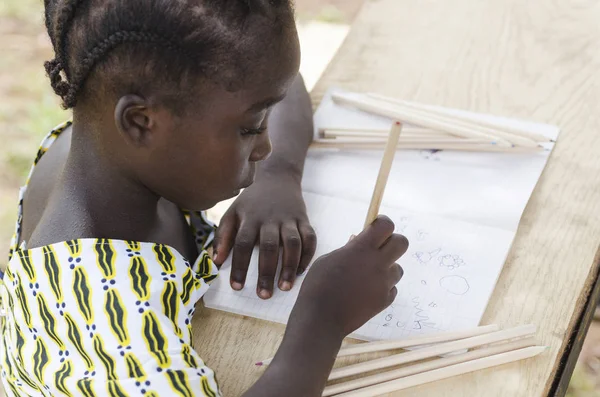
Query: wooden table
pixel 537 60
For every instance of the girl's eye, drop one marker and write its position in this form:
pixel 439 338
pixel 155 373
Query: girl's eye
pixel 253 131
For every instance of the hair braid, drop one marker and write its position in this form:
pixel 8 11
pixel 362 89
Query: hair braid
pixel 215 32
pixel 104 47
pixel 63 24
pixel 48 7
pixel 57 31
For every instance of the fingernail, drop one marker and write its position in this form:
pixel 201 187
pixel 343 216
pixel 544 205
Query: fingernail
pixel 216 257
pixel 352 237
pixel 285 286
pixel 236 286
pixel 264 294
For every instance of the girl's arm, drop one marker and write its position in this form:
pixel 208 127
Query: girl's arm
pixel 342 291
pixel 291 131
pixel 302 363
pixel 272 211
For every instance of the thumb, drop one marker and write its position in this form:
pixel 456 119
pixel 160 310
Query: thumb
pixel 224 237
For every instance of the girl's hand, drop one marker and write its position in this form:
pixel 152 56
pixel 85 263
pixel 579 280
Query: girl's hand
pixel 341 292
pixel 346 288
pixel 272 212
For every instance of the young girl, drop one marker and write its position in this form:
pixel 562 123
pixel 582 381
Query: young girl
pixel 171 101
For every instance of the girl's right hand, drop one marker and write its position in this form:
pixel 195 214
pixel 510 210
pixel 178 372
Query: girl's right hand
pixel 341 292
pixel 346 288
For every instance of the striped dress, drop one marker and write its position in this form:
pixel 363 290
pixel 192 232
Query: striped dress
pixel 103 317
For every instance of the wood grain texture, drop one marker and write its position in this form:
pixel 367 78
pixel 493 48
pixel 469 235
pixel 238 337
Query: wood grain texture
pixel 536 60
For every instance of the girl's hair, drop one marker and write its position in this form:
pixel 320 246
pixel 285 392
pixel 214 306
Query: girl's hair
pixel 134 46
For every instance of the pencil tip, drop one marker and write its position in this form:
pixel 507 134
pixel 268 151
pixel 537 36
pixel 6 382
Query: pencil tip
pixel 259 364
pixel 397 123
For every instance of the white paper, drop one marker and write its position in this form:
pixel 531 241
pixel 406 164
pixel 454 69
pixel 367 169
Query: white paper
pixel 459 210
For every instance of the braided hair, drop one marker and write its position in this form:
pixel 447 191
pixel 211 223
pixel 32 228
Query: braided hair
pixel 136 46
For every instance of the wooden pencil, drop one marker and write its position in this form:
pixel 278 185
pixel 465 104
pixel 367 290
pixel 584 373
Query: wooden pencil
pixel 412 117
pixel 406 130
pixel 427 366
pixel 332 134
pixel 510 137
pixel 473 147
pixel 446 372
pixel 524 132
pixel 428 352
pixel 403 140
pixel 384 172
pixel 383 345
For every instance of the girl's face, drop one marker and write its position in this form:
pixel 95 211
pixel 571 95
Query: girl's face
pixel 211 153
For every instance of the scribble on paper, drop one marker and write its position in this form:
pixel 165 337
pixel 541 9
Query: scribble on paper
pixel 456 285
pixel 451 261
pixel 430 155
pixel 388 316
pixel 422 319
pixel 422 235
pixel 425 257
pixel 402 224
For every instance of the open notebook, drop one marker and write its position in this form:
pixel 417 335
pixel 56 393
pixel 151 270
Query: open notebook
pixel 459 210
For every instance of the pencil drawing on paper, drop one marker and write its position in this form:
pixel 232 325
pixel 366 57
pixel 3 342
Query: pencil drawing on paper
pixel 430 155
pixel 401 224
pixel 451 261
pixel 457 285
pixel 426 257
pixel 421 317
pixel 388 316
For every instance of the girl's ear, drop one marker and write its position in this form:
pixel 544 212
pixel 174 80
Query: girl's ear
pixel 134 120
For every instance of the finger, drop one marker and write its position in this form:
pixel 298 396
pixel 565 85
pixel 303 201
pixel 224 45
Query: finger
pixel 392 296
pixel 377 232
pixel 224 237
pixel 292 252
pixel 396 273
pixel 242 252
pixel 395 247
pixel 309 245
pixel 267 260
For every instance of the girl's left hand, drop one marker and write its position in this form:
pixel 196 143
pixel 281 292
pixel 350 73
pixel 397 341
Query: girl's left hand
pixel 271 211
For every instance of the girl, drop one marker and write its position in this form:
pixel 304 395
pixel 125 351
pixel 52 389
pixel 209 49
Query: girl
pixel 171 101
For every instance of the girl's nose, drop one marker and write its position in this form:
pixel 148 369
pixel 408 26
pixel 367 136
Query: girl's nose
pixel 262 149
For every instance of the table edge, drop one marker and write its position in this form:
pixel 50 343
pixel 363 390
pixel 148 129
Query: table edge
pixel 568 358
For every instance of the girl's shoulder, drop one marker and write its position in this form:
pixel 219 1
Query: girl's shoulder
pixel 46 143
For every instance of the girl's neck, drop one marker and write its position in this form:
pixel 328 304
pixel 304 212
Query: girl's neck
pixel 109 196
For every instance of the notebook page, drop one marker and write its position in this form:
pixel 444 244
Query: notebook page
pixel 450 270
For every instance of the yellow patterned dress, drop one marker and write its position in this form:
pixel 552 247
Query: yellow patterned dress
pixel 102 317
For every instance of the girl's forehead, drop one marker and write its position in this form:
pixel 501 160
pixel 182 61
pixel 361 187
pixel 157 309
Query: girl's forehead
pixel 273 72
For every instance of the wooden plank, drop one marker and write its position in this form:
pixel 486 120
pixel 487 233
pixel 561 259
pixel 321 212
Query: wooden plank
pixel 536 60
pixel 571 353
